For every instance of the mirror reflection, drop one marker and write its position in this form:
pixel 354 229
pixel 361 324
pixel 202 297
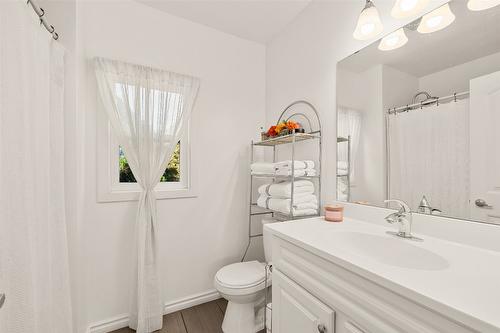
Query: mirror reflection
pixel 418 116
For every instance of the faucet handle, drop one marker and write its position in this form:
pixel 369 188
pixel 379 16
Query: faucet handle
pixel 404 208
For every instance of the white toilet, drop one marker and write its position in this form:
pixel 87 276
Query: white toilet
pixel 242 284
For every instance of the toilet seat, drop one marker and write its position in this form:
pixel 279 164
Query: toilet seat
pixel 241 278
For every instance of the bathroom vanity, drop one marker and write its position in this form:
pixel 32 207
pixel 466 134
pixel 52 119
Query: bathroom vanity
pixel 354 277
pixel 418 122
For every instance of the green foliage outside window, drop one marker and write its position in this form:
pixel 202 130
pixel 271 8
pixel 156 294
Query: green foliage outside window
pixel 171 174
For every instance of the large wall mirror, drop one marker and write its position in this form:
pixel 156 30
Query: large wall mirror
pixel 418 116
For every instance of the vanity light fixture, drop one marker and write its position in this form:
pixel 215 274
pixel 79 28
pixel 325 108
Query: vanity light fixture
pixel 436 20
pixel 406 8
pixel 393 41
pixel 476 5
pixel 369 24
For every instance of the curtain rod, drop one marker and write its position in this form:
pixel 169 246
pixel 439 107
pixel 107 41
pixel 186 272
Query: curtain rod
pixel 40 12
pixel 409 107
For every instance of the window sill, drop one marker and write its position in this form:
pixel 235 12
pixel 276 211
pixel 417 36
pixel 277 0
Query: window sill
pixel 116 195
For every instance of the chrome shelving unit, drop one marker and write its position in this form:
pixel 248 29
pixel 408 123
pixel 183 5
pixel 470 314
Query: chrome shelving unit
pixel 314 133
pixel 347 176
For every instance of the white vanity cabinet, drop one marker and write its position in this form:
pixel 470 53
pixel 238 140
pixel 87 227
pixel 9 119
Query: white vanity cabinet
pixel 297 311
pixel 312 294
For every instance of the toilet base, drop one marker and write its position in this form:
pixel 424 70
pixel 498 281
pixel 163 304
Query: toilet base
pixel 243 318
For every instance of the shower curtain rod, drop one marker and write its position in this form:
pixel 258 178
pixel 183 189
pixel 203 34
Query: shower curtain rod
pixel 40 12
pixel 414 106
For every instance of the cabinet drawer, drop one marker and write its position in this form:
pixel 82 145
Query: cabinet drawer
pixel 346 325
pixel 297 311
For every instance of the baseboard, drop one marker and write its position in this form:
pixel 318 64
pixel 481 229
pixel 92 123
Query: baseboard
pixel 193 300
pixel 121 321
pixel 109 325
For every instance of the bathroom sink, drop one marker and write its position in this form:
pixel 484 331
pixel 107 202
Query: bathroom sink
pixel 446 276
pixel 389 250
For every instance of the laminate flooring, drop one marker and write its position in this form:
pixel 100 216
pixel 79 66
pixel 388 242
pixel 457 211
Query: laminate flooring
pixel 203 318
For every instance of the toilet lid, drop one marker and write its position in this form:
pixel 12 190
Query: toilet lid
pixel 242 274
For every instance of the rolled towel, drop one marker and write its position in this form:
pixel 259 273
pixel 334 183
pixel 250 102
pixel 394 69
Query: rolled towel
pixel 262 168
pixel 297 172
pixel 296 164
pixel 283 206
pixel 284 189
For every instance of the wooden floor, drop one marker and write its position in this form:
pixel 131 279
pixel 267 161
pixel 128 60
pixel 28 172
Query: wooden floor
pixel 204 318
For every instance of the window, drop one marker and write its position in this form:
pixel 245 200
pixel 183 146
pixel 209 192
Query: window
pixel 115 181
pixel 143 102
pixel 172 173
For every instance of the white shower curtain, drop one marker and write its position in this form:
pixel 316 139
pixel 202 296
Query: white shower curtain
pixel 34 272
pixel 349 124
pixel 429 155
pixel 148 110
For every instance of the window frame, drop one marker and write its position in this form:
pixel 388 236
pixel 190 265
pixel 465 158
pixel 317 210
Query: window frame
pixel 109 188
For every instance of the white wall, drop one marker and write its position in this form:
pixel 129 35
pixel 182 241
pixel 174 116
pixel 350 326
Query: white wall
pixel 301 64
pixel 456 79
pixel 370 187
pixel 199 235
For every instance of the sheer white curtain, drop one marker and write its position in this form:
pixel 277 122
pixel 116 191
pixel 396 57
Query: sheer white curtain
pixel 349 125
pixel 34 270
pixel 148 110
pixel 429 155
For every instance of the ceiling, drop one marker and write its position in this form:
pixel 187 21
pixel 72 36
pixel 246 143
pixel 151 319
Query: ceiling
pixel 256 20
pixel 471 36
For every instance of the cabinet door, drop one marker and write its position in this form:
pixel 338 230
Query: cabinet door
pixel 297 311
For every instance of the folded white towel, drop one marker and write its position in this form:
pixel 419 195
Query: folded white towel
pixel 297 165
pixel 305 212
pixel 342 197
pixel 284 189
pixel 297 199
pixel 262 168
pixel 297 172
pixel 283 206
pixel 342 172
pixel 342 165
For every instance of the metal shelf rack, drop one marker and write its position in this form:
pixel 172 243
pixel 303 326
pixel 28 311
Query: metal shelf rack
pixel 313 132
pixel 347 175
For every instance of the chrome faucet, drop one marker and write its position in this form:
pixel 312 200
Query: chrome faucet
pixel 403 217
pixel 425 207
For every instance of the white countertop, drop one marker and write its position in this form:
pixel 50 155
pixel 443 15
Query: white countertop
pixel 459 281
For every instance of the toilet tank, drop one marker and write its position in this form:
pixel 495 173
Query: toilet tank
pixel 267 239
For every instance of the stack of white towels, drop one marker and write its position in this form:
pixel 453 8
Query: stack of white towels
pixel 342 168
pixel 277 197
pixel 284 168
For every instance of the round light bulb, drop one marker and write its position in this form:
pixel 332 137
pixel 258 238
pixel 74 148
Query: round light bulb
pixel 436 20
pixel 393 41
pixel 407 5
pixel 407 8
pixel 476 5
pixel 367 28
